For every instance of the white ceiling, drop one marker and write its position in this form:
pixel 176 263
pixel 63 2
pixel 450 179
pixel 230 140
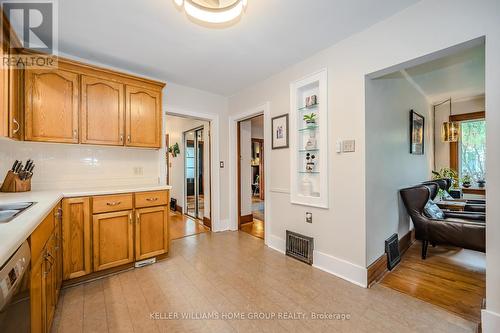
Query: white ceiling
pixel 457 76
pixel 154 38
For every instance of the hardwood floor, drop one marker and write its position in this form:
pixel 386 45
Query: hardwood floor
pixel 222 274
pixel 255 228
pixel 183 226
pixel 451 278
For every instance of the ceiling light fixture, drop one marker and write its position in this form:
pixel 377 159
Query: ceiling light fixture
pixel 213 11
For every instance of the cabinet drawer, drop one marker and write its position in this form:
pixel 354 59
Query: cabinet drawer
pixel 112 203
pixel 150 199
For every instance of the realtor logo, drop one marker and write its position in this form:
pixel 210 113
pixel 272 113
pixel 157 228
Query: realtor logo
pixel 33 27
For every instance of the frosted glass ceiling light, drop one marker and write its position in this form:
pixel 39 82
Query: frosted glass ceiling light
pixel 213 11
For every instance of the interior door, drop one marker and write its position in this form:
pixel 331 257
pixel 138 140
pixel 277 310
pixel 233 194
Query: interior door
pixel 194 158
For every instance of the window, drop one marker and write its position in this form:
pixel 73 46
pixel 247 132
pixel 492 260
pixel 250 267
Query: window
pixel 472 149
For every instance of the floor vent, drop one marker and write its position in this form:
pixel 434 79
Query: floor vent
pixel 299 247
pixel 392 251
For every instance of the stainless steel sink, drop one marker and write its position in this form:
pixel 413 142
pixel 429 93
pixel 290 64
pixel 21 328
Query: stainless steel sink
pixel 9 211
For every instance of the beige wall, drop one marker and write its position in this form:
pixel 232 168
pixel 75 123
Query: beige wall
pixel 340 231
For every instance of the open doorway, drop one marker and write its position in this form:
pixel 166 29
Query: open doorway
pixel 251 217
pixel 188 172
pixel 425 178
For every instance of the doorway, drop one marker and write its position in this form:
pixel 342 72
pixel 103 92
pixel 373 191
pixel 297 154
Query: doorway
pixel 189 174
pixel 251 175
pixel 194 164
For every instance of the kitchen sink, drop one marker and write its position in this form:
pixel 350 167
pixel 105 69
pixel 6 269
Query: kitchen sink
pixel 9 211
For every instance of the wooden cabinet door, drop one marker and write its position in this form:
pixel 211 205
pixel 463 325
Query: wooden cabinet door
pixel 113 239
pixel 4 89
pixel 51 106
pixel 58 249
pixel 50 281
pixel 151 232
pixel 143 117
pixel 37 296
pixel 76 238
pixel 102 113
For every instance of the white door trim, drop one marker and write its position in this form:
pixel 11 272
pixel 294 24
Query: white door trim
pixel 217 224
pixel 264 109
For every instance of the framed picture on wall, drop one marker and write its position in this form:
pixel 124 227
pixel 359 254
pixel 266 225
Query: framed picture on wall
pixel 279 126
pixel 417 133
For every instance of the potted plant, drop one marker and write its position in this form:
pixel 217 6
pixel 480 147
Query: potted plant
pixel 466 181
pixel 447 173
pixel 174 150
pixel 310 119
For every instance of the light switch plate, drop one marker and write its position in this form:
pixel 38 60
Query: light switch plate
pixel 349 146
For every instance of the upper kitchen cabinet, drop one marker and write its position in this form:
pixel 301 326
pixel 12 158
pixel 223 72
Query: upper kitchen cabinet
pixel 102 113
pixel 51 105
pixel 143 117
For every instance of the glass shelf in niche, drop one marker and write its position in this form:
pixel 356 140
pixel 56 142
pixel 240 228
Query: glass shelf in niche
pixel 308 128
pixel 304 108
pixel 309 150
pixel 309 172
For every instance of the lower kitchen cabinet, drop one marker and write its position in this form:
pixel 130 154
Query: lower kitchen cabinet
pixel 76 235
pixel 151 232
pixel 113 239
pixel 45 282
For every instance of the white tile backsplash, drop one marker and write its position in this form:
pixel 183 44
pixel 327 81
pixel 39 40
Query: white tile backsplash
pixel 65 166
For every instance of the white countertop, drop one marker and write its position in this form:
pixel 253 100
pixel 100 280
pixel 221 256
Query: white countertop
pixel 15 232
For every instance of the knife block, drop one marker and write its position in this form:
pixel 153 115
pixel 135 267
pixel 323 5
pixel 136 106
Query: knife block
pixel 12 183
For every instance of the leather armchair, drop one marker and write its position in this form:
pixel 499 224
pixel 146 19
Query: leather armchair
pixel 456 229
pixel 472 205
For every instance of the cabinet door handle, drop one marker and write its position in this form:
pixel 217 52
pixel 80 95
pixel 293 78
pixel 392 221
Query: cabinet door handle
pixel 113 203
pixel 151 199
pixel 128 138
pixel 18 127
pixel 130 218
pixel 75 134
pixel 121 137
pixel 137 218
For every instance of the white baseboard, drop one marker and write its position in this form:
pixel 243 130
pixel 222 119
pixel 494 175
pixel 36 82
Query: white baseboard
pixel 221 225
pixel 341 268
pixel 276 243
pixel 490 321
pixel 335 266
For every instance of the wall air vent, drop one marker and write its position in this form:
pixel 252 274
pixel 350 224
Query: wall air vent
pixel 392 251
pixel 299 247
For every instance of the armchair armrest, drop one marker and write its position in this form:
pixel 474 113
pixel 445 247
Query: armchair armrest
pixel 466 215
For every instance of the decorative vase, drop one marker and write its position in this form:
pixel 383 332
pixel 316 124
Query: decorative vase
pixel 310 166
pixel 311 143
pixel 466 184
pixel 481 183
pixel 311 124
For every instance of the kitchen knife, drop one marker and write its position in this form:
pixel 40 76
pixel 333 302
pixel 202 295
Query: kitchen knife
pixel 14 167
pixel 19 167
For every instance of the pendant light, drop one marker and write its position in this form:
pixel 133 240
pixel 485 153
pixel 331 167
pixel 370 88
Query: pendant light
pixel 213 11
pixel 450 130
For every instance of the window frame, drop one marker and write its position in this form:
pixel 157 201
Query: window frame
pixel 454 147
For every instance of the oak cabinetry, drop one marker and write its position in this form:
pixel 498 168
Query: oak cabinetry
pixel 45 282
pixel 51 105
pixel 113 239
pixel 112 203
pixel 151 199
pixel 102 111
pixel 151 232
pixel 143 117
pixel 76 231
